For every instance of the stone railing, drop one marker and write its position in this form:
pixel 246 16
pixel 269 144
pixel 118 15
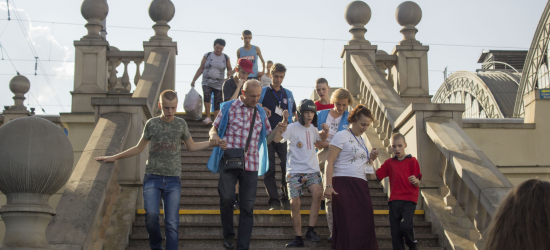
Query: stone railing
pixel 115 58
pixel 379 96
pixel 84 211
pixel 149 85
pixel 473 186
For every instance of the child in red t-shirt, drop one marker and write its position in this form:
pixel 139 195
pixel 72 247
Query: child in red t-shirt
pixel 404 173
pixel 322 88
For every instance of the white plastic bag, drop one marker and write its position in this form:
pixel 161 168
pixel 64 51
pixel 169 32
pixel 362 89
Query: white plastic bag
pixel 193 104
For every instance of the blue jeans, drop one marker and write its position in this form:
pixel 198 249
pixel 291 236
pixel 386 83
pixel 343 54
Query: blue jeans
pixel 168 188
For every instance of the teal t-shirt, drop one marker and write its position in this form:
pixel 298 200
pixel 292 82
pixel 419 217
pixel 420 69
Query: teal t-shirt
pixel 165 151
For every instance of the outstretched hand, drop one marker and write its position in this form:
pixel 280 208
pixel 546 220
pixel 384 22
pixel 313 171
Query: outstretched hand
pixel 285 116
pixel 105 158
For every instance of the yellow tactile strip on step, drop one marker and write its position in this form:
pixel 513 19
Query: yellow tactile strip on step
pixel 184 211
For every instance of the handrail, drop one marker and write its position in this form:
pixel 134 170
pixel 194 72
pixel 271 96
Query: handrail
pixel 149 84
pixel 378 95
pixel 475 185
pixel 86 206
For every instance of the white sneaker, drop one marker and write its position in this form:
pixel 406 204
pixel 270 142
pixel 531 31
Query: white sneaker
pixel 207 120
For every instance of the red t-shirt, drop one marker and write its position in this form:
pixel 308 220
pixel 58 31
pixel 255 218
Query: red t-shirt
pixel 323 106
pixel 399 172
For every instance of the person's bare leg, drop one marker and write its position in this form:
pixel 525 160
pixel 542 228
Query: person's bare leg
pixel 317 194
pixel 215 114
pixel 296 217
pixel 207 109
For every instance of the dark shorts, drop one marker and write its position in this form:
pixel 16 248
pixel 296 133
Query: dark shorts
pixel 208 96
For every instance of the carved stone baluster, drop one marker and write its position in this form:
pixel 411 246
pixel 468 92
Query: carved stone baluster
pixel 461 198
pixel 112 77
pixel 455 184
pixel 382 134
pixel 125 81
pixel 450 174
pixel 138 62
pixel 467 221
pixel 482 221
pixel 443 189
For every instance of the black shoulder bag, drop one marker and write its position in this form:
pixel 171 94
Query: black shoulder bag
pixel 233 158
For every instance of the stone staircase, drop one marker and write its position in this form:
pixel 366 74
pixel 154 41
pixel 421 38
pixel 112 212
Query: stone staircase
pixel 200 223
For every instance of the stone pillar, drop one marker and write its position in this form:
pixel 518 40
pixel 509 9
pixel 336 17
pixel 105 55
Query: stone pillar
pixel 162 12
pixel 31 170
pixel 357 15
pixel 90 75
pixel 90 78
pixel 411 70
pixel 19 86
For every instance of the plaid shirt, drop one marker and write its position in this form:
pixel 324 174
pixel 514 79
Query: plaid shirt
pixel 237 132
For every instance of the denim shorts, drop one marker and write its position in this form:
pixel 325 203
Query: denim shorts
pixel 298 182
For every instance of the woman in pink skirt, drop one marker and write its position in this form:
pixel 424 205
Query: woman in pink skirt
pixel 348 163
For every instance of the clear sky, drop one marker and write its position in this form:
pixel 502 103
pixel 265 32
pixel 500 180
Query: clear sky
pixel 456 31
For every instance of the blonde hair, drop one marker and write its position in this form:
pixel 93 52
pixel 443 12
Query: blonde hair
pixel 341 94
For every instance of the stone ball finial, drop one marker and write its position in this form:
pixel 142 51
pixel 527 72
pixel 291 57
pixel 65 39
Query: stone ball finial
pixel 31 170
pixel 408 14
pixel 358 14
pixel 161 12
pixel 19 86
pixel 94 11
pixel 381 52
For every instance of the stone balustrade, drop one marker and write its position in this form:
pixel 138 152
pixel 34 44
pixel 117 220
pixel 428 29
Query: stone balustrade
pixel 378 95
pixel 115 58
pixel 472 185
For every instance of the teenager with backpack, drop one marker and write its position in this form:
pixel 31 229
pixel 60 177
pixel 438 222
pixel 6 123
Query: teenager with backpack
pixel 212 69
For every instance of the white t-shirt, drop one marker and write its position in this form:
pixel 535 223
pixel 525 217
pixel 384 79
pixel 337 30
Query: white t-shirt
pixel 302 158
pixel 333 124
pixel 352 159
pixel 265 81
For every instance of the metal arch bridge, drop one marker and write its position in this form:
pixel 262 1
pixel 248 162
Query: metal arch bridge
pixel 466 87
pixel 535 63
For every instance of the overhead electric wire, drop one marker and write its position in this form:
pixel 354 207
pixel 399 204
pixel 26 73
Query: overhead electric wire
pixel 288 37
pixel 35 54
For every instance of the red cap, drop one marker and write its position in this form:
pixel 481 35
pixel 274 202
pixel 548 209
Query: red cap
pixel 246 65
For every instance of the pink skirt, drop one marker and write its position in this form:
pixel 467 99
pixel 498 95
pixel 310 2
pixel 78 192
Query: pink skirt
pixel 352 215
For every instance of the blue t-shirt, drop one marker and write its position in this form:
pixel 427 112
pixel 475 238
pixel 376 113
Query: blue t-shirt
pixel 252 56
pixel 271 100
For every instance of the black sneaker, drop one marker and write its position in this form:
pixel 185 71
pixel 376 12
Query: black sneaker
pixel 228 244
pixel 312 236
pixel 276 206
pixel 295 243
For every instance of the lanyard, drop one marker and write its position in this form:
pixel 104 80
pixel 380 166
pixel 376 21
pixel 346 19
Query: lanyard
pixel 362 145
pixel 277 96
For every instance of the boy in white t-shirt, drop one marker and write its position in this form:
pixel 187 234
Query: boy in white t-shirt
pixel 303 169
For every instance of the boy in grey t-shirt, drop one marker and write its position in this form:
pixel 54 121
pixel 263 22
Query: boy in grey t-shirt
pixel 163 170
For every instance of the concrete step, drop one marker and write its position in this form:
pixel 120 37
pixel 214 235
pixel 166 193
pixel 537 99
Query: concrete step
pixel 200 228
pixel 264 216
pixel 214 204
pixel 203 184
pixel 271 240
pixel 204 159
pixel 282 247
pixel 186 193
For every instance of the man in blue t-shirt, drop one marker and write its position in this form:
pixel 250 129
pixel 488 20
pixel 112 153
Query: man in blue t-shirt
pixel 251 52
pixel 277 99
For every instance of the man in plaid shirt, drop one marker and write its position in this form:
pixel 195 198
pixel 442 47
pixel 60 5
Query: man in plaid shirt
pixel 234 123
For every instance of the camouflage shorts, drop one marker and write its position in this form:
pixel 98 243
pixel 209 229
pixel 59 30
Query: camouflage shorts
pixel 298 182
